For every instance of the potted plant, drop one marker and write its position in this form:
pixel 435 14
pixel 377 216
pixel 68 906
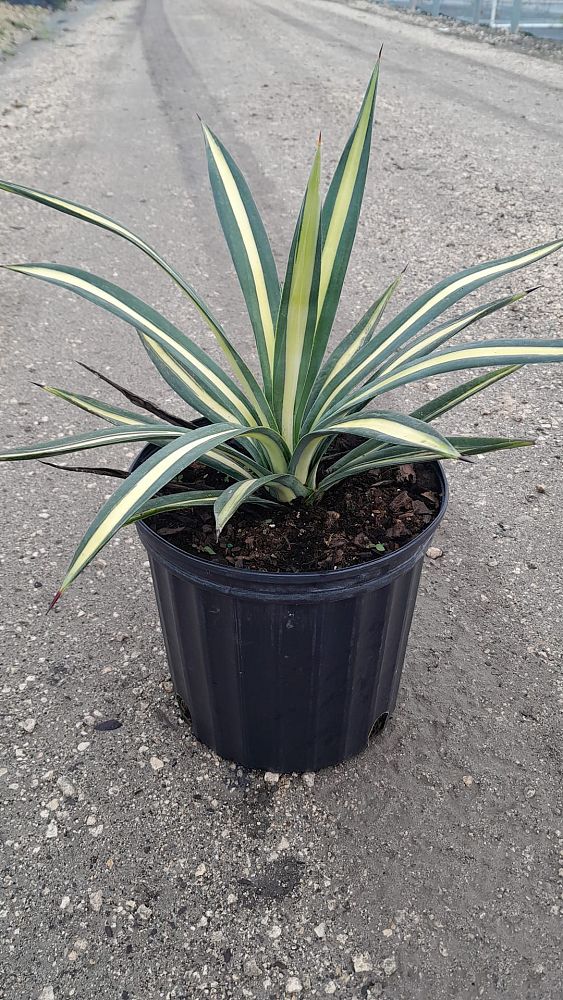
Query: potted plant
pixel 286 527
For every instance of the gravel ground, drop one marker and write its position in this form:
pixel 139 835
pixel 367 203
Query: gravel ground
pixel 17 25
pixel 137 865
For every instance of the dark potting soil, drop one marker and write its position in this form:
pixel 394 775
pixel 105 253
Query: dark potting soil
pixel 362 518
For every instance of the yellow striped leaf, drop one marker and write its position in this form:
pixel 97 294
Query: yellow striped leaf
pixel 77 211
pixel 340 214
pixel 429 341
pixel 249 246
pixel 393 427
pixel 204 371
pixel 400 456
pixel 114 414
pixel 93 439
pixel 296 322
pixel 481 355
pixel 414 317
pixel 229 501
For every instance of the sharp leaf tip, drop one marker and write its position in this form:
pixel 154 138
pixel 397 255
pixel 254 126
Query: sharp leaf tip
pixel 57 596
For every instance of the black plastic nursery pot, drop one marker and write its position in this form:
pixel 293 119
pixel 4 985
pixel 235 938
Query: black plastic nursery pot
pixel 286 671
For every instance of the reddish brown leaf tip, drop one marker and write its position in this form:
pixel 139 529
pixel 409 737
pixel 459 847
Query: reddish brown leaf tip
pixel 54 601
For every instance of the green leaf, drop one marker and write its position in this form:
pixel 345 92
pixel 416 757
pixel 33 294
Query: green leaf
pixel 416 316
pixel 93 439
pixel 383 458
pixel 432 410
pixel 77 211
pixel 249 247
pixel 484 354
pixel 114 414
pixel 140 401
pixel 208 384
pixel 341 211
pixel 298 310
pixel 428 342
pixel 453 397
pixel 174 502
pixel 140 486
pixel 392 427
pixel 234 496
pixel 351 344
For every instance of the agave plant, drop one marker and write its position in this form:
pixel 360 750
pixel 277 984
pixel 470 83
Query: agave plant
pixel 270 436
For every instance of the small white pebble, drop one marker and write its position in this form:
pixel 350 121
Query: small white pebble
pixel 47 993
pixel 467 780
pixel 271 778
pixel 274 933
pixel 83 746
pixel 387 932
pixel 200 871
pixel 96 899
pixel 156 763
pixel 330 987
pixel 144 912
pixel 52 831
pixel 28 725
pixel 362 962
pixel 434 552
pixel 389 965
pixel 53 804
pixel 95 831
pixel 65 903
pixel 65 786
pixel 308 780
pixel 320 930
pixel 293 985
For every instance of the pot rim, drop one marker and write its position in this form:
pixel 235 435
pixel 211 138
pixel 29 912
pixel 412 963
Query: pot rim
pixel 236 573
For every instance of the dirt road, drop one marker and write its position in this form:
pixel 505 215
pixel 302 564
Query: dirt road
pixel 136 864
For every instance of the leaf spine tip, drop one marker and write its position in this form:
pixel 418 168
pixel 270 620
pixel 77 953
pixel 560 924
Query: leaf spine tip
pixel 54 601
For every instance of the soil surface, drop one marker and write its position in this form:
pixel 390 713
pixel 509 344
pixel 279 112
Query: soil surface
pixel 362 518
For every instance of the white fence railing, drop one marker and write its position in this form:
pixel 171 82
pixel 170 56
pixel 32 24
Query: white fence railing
pixel 538 17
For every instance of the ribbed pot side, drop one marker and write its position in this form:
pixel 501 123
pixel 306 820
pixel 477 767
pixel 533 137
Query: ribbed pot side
pixel 286 671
